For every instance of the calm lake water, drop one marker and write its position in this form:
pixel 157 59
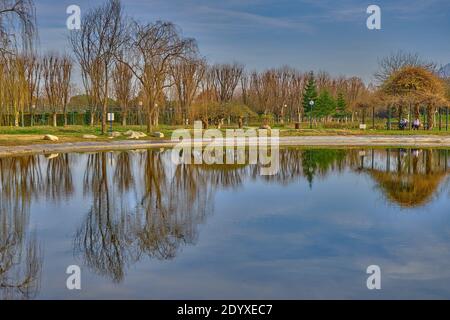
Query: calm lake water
pixel 142 227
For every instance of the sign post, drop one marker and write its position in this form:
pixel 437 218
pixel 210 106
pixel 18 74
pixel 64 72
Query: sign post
pixel 111 120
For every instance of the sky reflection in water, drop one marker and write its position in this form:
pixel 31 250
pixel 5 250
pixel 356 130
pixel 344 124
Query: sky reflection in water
pixel 140 227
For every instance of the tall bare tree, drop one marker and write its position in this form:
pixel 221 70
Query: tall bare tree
pixel 33 75
pixel 226 79
pixel 95 46
pixel 123 88
pixel 16 17
pixel 187 74
pixel 154 47
pixel 57 72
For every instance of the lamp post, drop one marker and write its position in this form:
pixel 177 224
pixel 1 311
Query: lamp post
pixel 311 103
pixel 33 107
pixel 282 113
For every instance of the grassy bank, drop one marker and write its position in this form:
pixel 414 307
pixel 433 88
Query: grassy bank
pixel 10 136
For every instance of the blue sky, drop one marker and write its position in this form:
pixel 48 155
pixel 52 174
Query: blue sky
pixel 315 35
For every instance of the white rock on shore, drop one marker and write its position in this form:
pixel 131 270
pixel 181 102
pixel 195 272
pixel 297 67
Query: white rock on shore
pixel 89 136
pixel 135 134
pixel 50 137
pixel 158 135
pixel 116 134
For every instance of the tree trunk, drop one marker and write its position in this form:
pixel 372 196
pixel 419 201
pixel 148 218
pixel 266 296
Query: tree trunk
pixel 156 118
pixel 124 118
pixel 416 111
pixel 65 118
pixel 105 100
pixel 16 119
pixel 92 120
pixel 104 110
pixel 54 119
pixel 430 117
pixel 149 122
pixel 241 124
pixel 205 123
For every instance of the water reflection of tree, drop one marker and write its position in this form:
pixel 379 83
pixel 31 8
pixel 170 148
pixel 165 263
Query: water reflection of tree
pixel 290 168
pixel 59 181
pixel 411 178
pixel 172 206
pixel 103 239
pixel 20 256
pixel 318 162
pixel 167 203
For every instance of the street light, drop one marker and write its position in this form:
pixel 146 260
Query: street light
pixel 33 107
pixel 311 103
pixel 281 118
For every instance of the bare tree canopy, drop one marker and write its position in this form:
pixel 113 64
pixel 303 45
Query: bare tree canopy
pixel 101 36
pixel 16 16
pixel 187 74
pixel 396 61
pixel 57 71
pixel 124 89
pixel 226 78
pixel 154 47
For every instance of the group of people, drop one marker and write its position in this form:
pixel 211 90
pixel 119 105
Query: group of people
pixel 405 122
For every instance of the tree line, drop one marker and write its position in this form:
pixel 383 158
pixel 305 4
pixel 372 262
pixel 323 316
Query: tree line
pixel 151 67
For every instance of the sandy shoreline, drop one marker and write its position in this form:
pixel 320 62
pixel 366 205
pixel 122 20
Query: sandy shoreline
pixel 323 141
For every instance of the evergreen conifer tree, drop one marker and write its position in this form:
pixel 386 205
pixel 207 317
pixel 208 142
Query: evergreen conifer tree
pixel 341 106
pixel 310 93
pixel 325 106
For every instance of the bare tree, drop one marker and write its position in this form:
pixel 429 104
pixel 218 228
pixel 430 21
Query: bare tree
pixel 57 73
pixel 16 94
pixel 154 47
pixel 394 62
pixel 33 73
pixel 65 76
pixel 95 46
pixel 123 88
pixel 226 79
pixel 16 17
pixel 187 74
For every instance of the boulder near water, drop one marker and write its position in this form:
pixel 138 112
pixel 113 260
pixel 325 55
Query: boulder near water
pixel 116 134
pixel 135 135
pixel 158 134
pixel 89 136
pixel 50 137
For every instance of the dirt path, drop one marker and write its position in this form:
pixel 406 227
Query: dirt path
pixel 330 141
